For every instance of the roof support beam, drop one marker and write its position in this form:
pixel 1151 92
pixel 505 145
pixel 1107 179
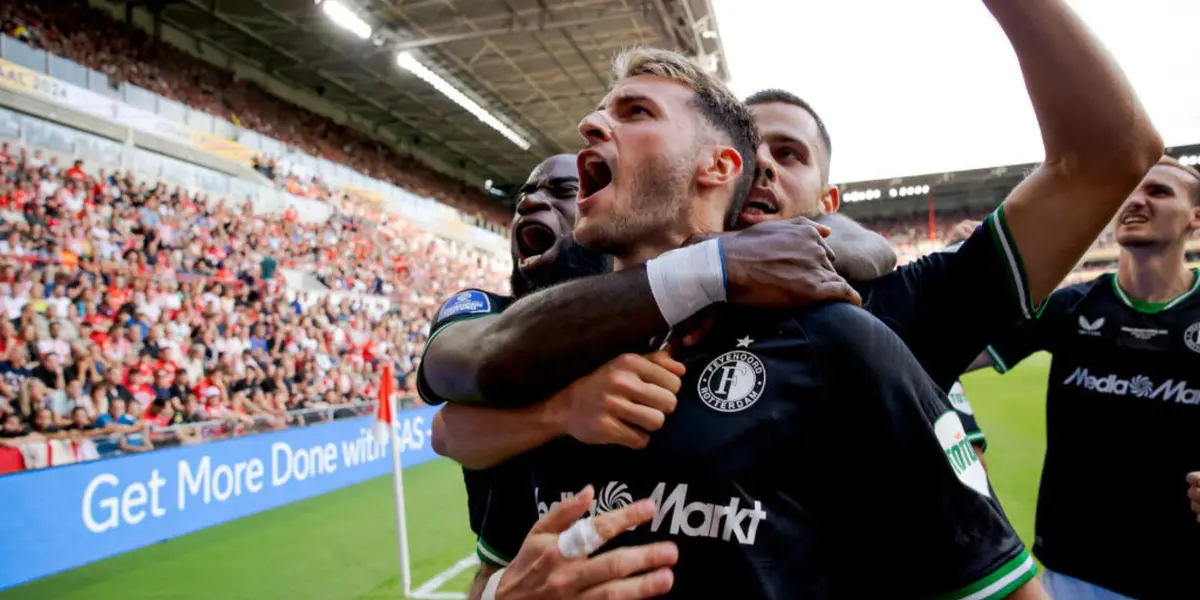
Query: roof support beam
pixel 438 40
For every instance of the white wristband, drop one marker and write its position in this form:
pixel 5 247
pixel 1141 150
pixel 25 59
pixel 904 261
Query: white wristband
pixel 489 590
pixel 686 280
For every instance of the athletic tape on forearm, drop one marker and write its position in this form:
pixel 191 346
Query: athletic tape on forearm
pixel 580 540
pixel 489 590
pixel 686 280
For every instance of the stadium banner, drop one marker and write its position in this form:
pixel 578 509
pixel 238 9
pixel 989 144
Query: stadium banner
pixel 63 517
pixel 42 86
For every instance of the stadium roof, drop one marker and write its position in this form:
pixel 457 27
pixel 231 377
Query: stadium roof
pixel 537 65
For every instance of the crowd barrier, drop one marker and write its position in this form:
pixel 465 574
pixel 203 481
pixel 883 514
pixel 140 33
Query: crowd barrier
pixel 64 517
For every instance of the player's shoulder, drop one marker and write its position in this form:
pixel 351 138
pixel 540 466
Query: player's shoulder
pixel 1070 299
pixel 843 329
pixel 471 301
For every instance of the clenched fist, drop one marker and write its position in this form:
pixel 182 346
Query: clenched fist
pixel 622 402
pixel 782 264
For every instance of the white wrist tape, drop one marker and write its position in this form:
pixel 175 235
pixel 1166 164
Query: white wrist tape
pixel 580 540
pixel 489 590
pixel 686 280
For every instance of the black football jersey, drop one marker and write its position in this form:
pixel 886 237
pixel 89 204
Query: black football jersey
pixel 1122 416
pixel 483 499
pixel 946 306
pixel 810 456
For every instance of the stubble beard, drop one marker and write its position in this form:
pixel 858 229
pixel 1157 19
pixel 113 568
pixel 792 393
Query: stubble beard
pixel 660 188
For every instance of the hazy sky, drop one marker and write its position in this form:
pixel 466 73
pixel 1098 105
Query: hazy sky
pixel 921 86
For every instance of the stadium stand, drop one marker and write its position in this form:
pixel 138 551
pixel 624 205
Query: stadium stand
pixel 142 316
pixel 73 30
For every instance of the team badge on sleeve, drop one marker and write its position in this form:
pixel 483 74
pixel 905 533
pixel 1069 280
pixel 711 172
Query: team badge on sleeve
pixel 950 433
pixel 470 302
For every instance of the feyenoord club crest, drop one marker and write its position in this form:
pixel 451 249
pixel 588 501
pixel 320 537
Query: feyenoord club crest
pixel 732 382
pixel 1191 337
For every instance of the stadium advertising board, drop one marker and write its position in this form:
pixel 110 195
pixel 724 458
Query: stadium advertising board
pixel 64 517
pixel 40 85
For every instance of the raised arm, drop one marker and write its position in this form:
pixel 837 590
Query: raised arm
pixel 1099 142
pixel 548 339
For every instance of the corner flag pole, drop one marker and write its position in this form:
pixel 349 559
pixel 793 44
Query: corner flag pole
pixel 389 414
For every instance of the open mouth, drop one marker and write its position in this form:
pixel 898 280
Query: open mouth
pixel 533 240
pixel 760 204
pixel 594 173
pixel 1134 219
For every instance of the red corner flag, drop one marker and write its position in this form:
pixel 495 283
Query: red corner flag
pixel 384 417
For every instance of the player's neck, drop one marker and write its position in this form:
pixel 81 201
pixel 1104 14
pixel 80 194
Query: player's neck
pixel 1153 275
pixel 647 250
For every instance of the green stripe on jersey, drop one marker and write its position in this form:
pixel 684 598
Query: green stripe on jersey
pixel 1002 582
pixel 997 362
pixel 997 223
pixel 489 556
pixel 1151 308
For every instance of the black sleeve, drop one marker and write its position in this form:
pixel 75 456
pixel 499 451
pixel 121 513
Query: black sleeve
pixel 948 306
pixel 1027 336
pixel 909 482
pixel 505 515
pixel 463 306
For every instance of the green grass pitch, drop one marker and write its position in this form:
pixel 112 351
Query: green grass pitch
pixel 342 546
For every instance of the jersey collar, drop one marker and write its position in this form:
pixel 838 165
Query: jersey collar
pixel 1151 308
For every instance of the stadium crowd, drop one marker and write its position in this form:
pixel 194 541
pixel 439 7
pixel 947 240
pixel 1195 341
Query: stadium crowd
pixel 133 306
pixel 74 30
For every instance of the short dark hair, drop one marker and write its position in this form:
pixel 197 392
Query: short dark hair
pixel 776 95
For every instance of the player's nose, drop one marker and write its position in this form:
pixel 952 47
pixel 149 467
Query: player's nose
pixel 531 203
pixel 595 128
pixel 766 165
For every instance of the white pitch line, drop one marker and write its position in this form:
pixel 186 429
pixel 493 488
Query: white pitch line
pixel 428 589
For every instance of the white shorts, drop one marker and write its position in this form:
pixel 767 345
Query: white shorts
pixel 1064 587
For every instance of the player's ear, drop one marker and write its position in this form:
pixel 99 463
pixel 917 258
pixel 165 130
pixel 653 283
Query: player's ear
pixel 720 166
pixel 831 200
pixel 1194 224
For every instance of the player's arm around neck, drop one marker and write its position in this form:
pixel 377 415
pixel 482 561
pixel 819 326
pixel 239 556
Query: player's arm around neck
pixel 861 254
pixel 1098 140
pixel 544 341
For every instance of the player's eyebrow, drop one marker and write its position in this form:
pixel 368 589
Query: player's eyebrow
pixel 553 182
pixel 783 138
pixel 624 98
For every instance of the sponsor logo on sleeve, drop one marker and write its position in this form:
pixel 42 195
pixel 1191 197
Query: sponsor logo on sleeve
pixel 470 302
pixel 959 453
pixel 958 399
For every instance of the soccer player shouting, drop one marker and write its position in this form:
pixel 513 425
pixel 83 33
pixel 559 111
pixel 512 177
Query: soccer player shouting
pixel 544 253
pixel 1123 406
pixel 743 474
